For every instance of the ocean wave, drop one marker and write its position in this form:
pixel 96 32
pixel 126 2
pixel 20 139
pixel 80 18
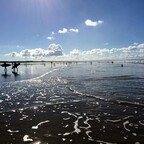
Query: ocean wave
pixel 35 79
pixel 128 103
pixel 39 77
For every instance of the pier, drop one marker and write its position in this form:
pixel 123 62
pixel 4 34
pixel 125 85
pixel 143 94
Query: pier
pixel 15 64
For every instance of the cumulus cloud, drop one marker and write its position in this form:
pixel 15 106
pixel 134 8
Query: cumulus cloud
pixel 75 52
pixel 53 50
pixel 89 22
pixel 133 51
pixel 13 54
pixel 63 31
pixel 74 30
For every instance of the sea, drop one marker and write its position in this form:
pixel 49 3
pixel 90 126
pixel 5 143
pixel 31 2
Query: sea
pixel 98 102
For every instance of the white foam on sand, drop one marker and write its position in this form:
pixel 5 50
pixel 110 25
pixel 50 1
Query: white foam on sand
pixel 24 117
pixel 36 127
pixel 104 142
pixel 26 138
pixel 69 113
pixel 16 131
pixel 86 122
pixel 65 134
pixel 114 121
pixel 89 137
pixel 38 142
pixel 141 123
pixel 77 130
pixel 124 124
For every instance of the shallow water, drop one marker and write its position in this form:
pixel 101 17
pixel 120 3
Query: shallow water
pixel 77 103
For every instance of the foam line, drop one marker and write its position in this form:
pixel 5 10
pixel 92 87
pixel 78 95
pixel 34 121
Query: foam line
pixel 16 131
pixel 114 121
pixel 89 137
pixel 106 100
pixel 66 134
pixel 124 124
pixel 77 130
pixel 68 113
pixel 88 95
pixel 36 127
pixel 26 138
pixel 130 103
pixel 141 123
pixel 86 122
pixel 37 78
pixel 104 142
pixel 24 117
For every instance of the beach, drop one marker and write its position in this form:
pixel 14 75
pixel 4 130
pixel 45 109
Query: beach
pixel 84 103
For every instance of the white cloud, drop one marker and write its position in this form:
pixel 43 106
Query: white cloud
pixel 13 54
pixel 89 22
pixel 133 51
pixel 52 33
pixel 50 38
pixel 63 31
pixel 75 52
pixel 74 30
pixel 53 50
pixel 100 21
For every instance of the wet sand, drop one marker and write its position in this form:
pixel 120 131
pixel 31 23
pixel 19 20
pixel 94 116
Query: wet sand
pixel 75 122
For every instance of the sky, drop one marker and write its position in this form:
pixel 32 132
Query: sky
pixel 71 29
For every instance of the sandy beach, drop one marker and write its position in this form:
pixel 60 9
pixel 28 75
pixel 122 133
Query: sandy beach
pixel 77 122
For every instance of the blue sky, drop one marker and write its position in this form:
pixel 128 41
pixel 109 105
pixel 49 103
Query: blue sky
pixel 76 25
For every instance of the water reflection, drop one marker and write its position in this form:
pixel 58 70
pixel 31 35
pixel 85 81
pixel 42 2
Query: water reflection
pixel 25 71
pixel 5 75
pixel 15 73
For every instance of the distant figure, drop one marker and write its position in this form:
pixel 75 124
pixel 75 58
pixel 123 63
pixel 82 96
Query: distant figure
pixel 5 65
pixel 91 62
pixel 15 73
pixel 51 64
pixel 121 65
pixel 15 66
pixel 112 62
